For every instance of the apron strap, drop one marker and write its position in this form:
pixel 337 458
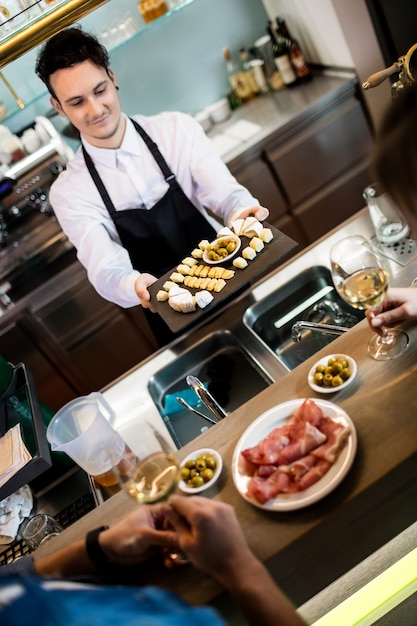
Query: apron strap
pixel 163 166
pixel 98 182
pixel 152 146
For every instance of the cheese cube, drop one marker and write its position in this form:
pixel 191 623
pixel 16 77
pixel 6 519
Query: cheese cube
pixel 266 235
pixel 248 253
pixel 257 244
pixel 240 263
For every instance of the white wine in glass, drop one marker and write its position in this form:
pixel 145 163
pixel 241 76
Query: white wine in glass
pixel 153 478
pixel 151 472
pixel 362 279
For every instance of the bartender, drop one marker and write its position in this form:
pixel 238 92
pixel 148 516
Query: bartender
pixel 133 199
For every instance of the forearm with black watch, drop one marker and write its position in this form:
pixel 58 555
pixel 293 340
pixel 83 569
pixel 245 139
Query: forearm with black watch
pixel 96 554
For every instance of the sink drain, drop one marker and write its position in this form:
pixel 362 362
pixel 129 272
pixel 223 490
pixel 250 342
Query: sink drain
pixel 403 251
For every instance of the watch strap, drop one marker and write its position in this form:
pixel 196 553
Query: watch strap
pixel 96 553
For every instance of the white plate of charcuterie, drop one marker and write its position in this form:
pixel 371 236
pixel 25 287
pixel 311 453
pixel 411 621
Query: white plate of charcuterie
pixel 294 454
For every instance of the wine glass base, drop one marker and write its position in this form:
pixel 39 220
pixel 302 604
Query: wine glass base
pixel 385 350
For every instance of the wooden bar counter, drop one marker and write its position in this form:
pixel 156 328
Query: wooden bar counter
pixel 307 549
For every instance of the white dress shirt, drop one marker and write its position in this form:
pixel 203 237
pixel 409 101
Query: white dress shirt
pixel 133 179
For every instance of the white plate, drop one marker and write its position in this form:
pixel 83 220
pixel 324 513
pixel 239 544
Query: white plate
pixel 276 417
pixel 226 258
pixel 320 389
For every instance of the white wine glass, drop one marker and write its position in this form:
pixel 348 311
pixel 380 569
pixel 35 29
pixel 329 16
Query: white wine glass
pixel 150 473
pixel 361 278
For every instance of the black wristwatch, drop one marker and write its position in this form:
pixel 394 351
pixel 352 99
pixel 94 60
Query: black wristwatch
pixel 96 553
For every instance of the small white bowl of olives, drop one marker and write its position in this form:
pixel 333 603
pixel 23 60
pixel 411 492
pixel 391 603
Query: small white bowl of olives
pixel 200 470
pixel 332 373
pixel 222 249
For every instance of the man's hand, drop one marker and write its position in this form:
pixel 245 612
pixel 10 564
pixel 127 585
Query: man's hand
pixel 209 534
pixel 141 287
pixel 132 540
pixel 260 212
pixel 138 536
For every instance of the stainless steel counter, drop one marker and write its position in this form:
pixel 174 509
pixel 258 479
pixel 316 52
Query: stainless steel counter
pixel 281 110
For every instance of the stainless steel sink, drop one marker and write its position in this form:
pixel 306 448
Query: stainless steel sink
pixel 308 296
pixel 230 373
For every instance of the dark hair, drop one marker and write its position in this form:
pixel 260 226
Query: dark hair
pixel 67 48
pixel 395 151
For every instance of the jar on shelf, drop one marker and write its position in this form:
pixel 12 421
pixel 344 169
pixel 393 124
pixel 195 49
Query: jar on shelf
pixel 152 9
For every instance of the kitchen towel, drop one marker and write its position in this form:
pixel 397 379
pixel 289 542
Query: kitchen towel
pixel 172 406
pixel 13 510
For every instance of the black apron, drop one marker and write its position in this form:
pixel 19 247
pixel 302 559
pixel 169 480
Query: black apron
pixel 156 239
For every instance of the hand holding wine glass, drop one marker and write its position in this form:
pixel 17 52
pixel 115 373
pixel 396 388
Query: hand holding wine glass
pixel 150 474
pixel 361 279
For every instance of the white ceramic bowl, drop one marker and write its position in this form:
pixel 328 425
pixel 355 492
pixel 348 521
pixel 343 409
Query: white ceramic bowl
pixel 324 361
pixel 219 111
pixel 209 261
pixel 217 471
pixel 203 117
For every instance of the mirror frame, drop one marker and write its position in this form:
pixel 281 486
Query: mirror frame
pixel 36 32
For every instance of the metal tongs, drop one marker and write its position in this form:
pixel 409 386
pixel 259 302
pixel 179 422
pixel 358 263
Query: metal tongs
pixel 206 398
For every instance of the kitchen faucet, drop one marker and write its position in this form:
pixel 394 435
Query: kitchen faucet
pixel 324 328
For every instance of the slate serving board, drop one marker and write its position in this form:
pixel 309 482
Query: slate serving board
pixel 273 251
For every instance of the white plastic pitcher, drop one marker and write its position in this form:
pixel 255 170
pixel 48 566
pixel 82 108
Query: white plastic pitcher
pixel 83 430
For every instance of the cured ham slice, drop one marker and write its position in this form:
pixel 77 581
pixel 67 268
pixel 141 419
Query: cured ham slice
pixel 265 489
pixel 308 411
pixel 336 435
pixel 317 471
pixel 294 456
pixel 286 444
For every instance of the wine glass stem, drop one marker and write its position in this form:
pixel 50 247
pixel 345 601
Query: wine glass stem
pixel 386 337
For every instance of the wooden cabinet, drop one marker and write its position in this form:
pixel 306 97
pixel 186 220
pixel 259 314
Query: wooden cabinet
pixel 96 339
pixel 311 173
pixel 334 203
pixel 19 345
pixel 75 342
pixel 257 176
pixel 322 151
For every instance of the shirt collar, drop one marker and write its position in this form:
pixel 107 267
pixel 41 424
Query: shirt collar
pixel 111 157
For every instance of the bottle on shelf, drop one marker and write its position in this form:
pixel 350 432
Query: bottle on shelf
pixel 262 50
pixel 257 64
pixel 297 58
pixel 280 47
pixel 248 71
pixel 237 78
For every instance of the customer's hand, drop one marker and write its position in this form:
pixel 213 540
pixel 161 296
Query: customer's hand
pixel 399 305
pixel 209 534
pixel 141 287
pixel 138 536
pixel 130 541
